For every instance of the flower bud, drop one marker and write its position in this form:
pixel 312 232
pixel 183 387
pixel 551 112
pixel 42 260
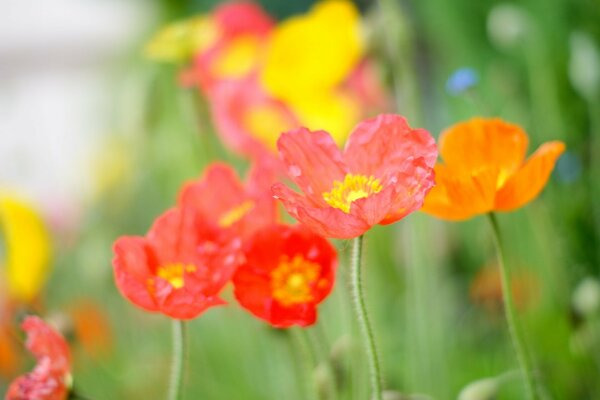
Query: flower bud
pixel 507 25
pixel 586 297
pixel 483 389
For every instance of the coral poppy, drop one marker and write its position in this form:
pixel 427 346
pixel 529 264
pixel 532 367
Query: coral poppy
pixel 226 204
pixel 27 245
pixel 287 272
pixel 484 169
pixel 178 268
pixel 50 379
pixel 383 174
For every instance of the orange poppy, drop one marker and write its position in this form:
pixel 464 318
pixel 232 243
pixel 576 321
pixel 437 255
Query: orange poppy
pixel 485 169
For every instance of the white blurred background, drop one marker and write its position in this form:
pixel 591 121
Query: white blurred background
pixel 58 91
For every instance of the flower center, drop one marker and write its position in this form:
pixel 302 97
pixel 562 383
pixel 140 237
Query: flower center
pixel 293 280
pixel 354 187
pixel 173 273
pixel 235 214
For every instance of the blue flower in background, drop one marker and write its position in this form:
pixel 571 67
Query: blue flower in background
pixel 568 167
pixel 461 80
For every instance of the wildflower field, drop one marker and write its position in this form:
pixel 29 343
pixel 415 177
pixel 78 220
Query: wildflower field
pixel 315 200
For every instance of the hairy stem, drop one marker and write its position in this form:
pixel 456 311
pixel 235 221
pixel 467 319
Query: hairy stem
pixel 363 319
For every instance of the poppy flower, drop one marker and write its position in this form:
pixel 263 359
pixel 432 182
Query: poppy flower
pixel 318 49
pixel 383 174
pixel 28 248
pixel 240 31
pixel 226 204
pixel 287 272
pixel 178 268
pixel 50 379
pixel 485 169
pixel 248 119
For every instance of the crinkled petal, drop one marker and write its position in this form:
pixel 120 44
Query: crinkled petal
pixel 313 161
pixel 527 183
pixel 413 185
pixel 131 268
pixel 459 196
pixel 382 146
pixel 480 143
pixel 328 221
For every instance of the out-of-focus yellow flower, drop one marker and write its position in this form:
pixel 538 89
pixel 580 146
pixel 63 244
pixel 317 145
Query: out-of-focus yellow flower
pixel 27 248
pixel 334 112
pixel 313 52
pixel 178 41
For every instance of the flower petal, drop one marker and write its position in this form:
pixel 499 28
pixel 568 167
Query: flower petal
pixel 479 143
pixel 247 118
pixel 409 195
pixel 459 195
pixel 383 145
pixel 131 269
pixel 328 222
pixel 527 183
pixel 313 161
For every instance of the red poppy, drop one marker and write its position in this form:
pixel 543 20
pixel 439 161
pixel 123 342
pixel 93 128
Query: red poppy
pixel 50 379
pixel 241 30
pixel 178 268
pixel 383 174
pixel 287 272
pixel 222 201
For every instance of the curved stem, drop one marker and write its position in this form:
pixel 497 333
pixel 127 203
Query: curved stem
pixel 363 319
pixel 178 360
pixel 511 317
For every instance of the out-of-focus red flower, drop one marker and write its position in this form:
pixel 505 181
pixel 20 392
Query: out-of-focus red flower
pixel 383 174
pixel 50 378
pixel 228 205
pixel 241 30
pixel 248 119
pixel 178 268
pixel 287 272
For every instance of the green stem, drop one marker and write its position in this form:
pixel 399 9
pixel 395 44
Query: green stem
pixel 176 381
pixel 511 317
pixel 360 309
pixel 308 359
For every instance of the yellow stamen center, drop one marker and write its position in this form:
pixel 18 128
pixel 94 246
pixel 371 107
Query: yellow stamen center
pixel 173 273
pixel 354 187
pixel 236 214
pixel 293 280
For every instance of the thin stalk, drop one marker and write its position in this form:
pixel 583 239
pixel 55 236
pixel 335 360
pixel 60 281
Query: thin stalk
pixel 360 309
pixel 307 356
pixel 511 316
pixel 176 381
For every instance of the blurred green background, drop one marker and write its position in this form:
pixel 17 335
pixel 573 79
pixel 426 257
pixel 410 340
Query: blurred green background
pixel 433 335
